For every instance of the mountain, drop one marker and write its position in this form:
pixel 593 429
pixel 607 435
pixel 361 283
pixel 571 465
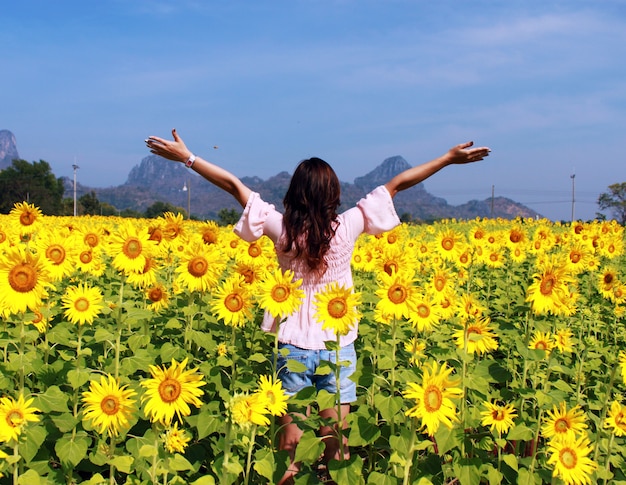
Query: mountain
pixel 157 179
pixel 8 149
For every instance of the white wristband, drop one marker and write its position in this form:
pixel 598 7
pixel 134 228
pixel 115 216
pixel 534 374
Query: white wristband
pixel 189 162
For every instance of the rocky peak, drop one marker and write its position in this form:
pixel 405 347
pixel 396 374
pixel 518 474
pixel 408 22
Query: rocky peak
pixel 390 167
pixel 8 149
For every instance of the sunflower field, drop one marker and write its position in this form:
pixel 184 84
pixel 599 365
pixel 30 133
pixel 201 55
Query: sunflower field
pixel 489 352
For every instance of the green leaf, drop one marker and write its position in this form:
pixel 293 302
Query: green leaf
pixel 65 421
pixel 448 439
pixel 52 400
pixel 34 438
pixel 29 477
pixel 309 448
pixel 510 460
pixel 205 480
pixel 326 400
pixel 71 450
pixel 377 478
pixel 389 407
pixel 77 377
pixel 295 366
pixel 467 471
pixel 208 423
pixel 123 463
pixel 349 472
pixel 179 463
pixel 363 432
pixel 520 432
pixel 264 463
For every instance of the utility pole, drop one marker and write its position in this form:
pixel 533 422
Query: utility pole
pixel 573 176
pixel 187 188
pixel 492 194
pixel 75 167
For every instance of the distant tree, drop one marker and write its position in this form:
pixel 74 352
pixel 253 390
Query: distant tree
pixel 90 205
pixel 159 208
pixel 226 217
pixel 130 213
pixel 615 201
pixel 33 183
pixel 107 209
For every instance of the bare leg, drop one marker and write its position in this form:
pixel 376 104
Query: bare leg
pixel 331 435
pixel 289 438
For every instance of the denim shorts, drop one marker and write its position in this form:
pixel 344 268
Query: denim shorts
pixel 294 382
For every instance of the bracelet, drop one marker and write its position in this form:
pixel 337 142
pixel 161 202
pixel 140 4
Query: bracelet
pixel 189 162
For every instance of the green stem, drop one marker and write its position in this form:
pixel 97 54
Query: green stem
pixel 338 386
pixel 409 462
pixel 224 477
pixel 111 455
pixel 249 459
pixel 605 409
pixel 16 467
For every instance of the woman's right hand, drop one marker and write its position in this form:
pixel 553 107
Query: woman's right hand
pixel 175 150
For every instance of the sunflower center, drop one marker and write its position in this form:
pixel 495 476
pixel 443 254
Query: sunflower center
pixel 110 405
pixel 440 283
pixel 155 294
pixel 392 238
pixel 423 310
pixel 86 257
pixel 494 257
pixel 14 418
pixel 447 243
pixel 397 294
pixel 27 218
pixel 209 237
pixel 568 458
pixel 515 237
pixel 254 250
pixel 390 267
pixel 81 304
pixel 91 239
pixel 3 236
pixel 464 258
pixel 548 283
pixel 132 248
pixel 248 276
pixel 55 253
pixel 608 279
pixel 574 257
pixel 497 415
pixel 233 302
pixel 541 345
pixel 280 293
pixel 432 399
pixel 233 243
pixel 169 390
pixel 561 425
pixel 23 278
pixel 337 307
pixel 156 234
pixel 198 267
pixel 473 331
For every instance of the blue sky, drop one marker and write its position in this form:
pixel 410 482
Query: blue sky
pixel 541 82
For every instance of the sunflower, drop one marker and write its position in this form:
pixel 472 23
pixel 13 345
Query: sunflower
pixel 563 340
pixel 14 415
pixel 616 419
pixel 173 226
pixel 108 405
pixel 468 306
pixel 578 255
pixel 396 293
pixel 200 267
pixel 337 308
pixel 425 315
pixel 498 416
pixel 449 244
pixel 273 394
pixel 253 271
pixel 82 303
pixel 433 398
pixel 23 280
pixel 209 232
pixel 415 348
pixel 442 283
pixel 59 249
pixel 476 337
pixel 158 296
pixel 606 281
pixel 176 440
pixel 541 341
pixel 391 259
pixel 232 302
pixel 170 391
pixel 279 294
pixel 129 246
pixel 147 276
pixel 248 409
pixel 89 260
pixel 561 423
pixel 570 460
pixel 26 217
pixel 549 292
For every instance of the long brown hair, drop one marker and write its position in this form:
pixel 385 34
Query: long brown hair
pixel 310 217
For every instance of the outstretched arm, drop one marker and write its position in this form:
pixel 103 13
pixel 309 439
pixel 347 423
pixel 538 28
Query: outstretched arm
pixel 177 151
pixel 459 154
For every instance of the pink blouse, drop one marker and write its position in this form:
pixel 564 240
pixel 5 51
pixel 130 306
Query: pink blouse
pixel 373 214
